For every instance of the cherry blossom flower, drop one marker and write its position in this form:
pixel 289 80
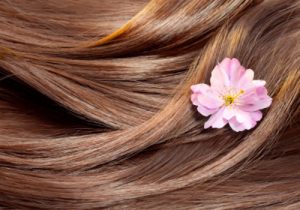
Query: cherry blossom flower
pixel 233 97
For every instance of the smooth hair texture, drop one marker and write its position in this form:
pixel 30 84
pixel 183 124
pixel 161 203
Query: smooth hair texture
pixel 95 107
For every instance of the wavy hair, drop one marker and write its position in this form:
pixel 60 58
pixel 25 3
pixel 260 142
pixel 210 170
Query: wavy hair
pixel 95 107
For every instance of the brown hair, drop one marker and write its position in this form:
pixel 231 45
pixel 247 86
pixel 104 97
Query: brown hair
pixel 96 112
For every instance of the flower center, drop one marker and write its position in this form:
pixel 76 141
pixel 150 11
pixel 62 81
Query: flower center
pixel 230 98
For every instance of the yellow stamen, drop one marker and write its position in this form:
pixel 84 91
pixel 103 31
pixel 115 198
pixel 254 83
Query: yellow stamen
pixel 229 99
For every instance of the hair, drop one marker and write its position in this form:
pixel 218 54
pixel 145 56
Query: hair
pixel 96 113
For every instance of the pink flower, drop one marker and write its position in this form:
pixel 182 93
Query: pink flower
pixel 233 97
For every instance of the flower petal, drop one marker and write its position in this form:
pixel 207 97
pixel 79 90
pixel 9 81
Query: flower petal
pixel 235 125
pixel 238 126
pixel 255 102
pixel 220 75
pixel 216 120
pixel 255 99
pixel 246 79
pixel 229 113
pixel 256 116
pixel 249 124
pixel 210 101
pixel 259 83
pixel 204 95
pixel 261 104
pixel 256 87
pixel 194 99
pixel 244 118
pixel 205 111
pixel 200 88
pixel 236 71
pixel 225 66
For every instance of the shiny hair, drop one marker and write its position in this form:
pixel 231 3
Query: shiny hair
pixel 95 107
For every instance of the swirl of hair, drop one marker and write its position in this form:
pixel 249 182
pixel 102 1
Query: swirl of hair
pixel 95 108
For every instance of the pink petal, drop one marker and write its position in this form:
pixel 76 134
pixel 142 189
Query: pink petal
pixel 259 83
pixel 216 80
pixel 225 66
pixel 194 99
pixel 200 88
pixel 204 95
pixel 261 92
pixel 249 95
pixel 244 118
pixel 235 125
pixel 256 116
pixel 236 71
pixel 261 104
pixel 229 113
pixel 219 76
pixel 249 124
pixel 238 126
pixel 255 99
pixel 210 101
pixel 246 79
pixel 234 66
pixel 254 85
pixel 216 120
pixel 205 111
pixel 247 98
